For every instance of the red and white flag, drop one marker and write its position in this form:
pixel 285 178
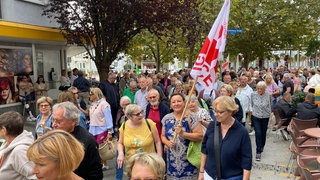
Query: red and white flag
pixel 212 49
pixel 225 65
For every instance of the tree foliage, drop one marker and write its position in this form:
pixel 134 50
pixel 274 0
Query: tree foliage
pixel 271 25
pixel 105 27
pixel 162 48
pixel 313 47
pixel 178 42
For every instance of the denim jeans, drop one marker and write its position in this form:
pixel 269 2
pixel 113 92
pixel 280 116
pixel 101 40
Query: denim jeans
pixel 260 127
pixel 119 171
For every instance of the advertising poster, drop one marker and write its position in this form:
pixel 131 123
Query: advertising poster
pixel 13 62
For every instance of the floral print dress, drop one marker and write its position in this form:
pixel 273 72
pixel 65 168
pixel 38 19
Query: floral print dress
pixel 178 167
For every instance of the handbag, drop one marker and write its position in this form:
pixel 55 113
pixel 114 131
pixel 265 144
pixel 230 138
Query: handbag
pixel 108 149
pixel 194 150
pixel 217 150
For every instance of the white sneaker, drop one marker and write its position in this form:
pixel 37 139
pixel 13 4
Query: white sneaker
pixel 105 167
pixel 29 119
pixel 252 133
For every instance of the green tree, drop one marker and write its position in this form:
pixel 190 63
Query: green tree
pixel 267 24
pixel 162 49
pixel 104 27
pixel 313 47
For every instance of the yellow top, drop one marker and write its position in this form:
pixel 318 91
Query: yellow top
pixel 137 140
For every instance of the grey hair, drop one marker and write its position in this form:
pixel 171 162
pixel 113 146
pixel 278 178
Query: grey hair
pixel 70 110
pixel 154 91
pixel 262 84
pixel 228 87
pixel 178 82
pixel 124 98
pixel 133 82
pixel 286 75
pixel 131 108
pixel 192 98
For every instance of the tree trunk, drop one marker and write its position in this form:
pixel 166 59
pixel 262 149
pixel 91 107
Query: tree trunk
pixel 103 73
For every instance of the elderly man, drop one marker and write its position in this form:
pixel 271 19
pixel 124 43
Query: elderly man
pixel 156 110
pixel 131 90
pixel 244 95
pixel 288 86
pixel 140 97
pixel 150 85
pixel 173 80
pixel 65 117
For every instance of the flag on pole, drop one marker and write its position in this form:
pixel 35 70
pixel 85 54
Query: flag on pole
pixel 225 65
pixel 213 47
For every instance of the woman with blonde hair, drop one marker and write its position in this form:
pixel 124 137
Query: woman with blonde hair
pixel 272 88
pixel 235 156
pixel 81 104
pixel 56 155
pixel 146 166
pixel 44 119
pixel 101 126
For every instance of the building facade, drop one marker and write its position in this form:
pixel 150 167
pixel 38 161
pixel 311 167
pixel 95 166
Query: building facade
pixel 30 44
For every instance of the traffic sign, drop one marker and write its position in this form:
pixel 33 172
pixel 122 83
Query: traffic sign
pixel 235 31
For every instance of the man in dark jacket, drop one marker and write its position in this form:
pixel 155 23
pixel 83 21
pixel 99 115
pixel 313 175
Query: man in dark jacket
pixel 111 92
pixel 283 107
pixel 83 86
pixel 307 109
pixel 288 85
pixel 65 116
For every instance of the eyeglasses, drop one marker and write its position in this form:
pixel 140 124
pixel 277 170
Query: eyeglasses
pixel 152 97
pixel 219 112
pixel 139 113
pixel 44 105
pixel 76 93
pixel 91 94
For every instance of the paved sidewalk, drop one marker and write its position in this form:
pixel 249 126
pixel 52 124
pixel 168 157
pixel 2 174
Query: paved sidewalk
pixel 275 158
pixel 273 164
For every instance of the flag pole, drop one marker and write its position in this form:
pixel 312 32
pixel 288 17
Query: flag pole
pixel 185 107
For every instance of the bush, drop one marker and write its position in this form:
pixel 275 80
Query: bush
pixel 298 97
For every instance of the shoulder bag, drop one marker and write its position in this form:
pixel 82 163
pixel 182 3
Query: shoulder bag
pixel 194 150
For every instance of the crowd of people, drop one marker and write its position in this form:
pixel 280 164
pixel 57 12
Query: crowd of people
pixel 155 117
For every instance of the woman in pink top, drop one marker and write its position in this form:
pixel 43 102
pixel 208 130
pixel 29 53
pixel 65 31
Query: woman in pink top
pixel 100 116
pixel 272 88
